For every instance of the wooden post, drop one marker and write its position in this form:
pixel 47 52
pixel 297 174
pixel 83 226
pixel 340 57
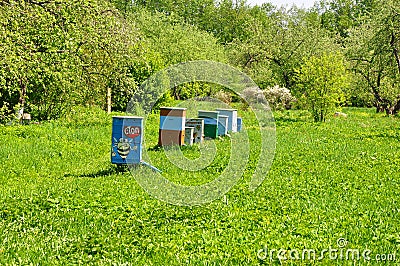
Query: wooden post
pixel 22 96
pixel 109 100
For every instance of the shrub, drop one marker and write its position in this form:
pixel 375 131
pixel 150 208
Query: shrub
pixel 279 98
pixel 253 95
pixel 321 82
pixel 223 96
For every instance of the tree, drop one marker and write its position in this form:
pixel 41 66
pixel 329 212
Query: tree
pixel 56 54
pixel 373 49
pixel 226 19
pixel 173 42
pixel 321 80
pixel 280 40
pixel 340 16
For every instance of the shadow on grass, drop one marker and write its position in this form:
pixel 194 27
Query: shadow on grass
pixel 112 170
pixel 166 147
pixel 155 148
pixel 291 117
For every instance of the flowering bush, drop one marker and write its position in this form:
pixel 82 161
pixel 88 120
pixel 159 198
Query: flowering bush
pixel 253 95
pixel 279 98
pixel 223 96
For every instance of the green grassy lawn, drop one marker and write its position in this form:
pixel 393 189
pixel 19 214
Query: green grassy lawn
pixel 62 202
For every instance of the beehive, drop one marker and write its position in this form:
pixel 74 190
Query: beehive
pixel 172 126
pixel 222 125
pixel 198 125
pixel 232 118
pixel 210 123
pixel 239 124
pixel 189 135
pixel 126 140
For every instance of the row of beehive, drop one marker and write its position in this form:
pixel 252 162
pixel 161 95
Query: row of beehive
pixel 127 131
pixel 176 129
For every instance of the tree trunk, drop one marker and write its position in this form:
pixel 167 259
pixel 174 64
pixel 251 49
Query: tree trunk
pixel 395 51
pixel 22 97
pixel 394 109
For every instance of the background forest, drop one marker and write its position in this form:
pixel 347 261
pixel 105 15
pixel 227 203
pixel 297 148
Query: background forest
pixel 56 54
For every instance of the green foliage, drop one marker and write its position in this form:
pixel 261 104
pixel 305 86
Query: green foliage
pixel 173 42
pixel 279 41
pixel 373 51
pixel 227 20
pixel 340 16
pixel 358 93
pixel 61 54
pixel 321 81
pixel 55 55
pixel 176 42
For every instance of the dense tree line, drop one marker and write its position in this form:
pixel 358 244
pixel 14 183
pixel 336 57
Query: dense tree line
pixel 55 54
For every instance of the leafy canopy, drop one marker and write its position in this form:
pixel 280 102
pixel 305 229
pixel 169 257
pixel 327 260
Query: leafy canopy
pixel 321 80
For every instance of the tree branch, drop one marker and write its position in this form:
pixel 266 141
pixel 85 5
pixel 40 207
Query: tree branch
pixel 297 47
pixel 43 2
pixel 273 59
pixel 361 59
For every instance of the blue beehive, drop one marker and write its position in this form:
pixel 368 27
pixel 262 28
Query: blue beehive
pixel 222 125
pixel 239 124
pixel 127 139
pixel 232 118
